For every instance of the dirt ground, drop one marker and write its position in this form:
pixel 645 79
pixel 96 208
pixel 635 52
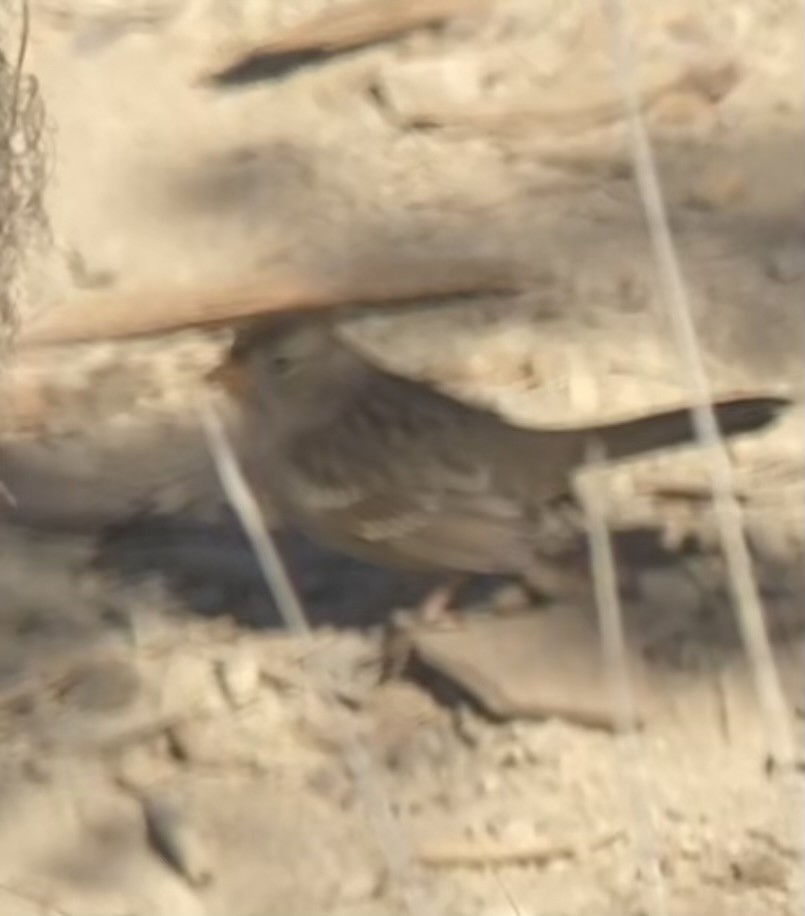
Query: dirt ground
pixel 168 746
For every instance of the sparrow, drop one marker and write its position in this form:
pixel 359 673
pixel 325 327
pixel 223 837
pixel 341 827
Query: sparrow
pixel 391 471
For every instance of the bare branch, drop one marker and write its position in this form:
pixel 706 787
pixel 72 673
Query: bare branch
pixel 342 28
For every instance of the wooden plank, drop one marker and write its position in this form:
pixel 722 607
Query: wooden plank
pixel 99 316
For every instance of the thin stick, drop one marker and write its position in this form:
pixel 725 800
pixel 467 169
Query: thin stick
pixel 751 618
pixel 616 662
pixel 462 853
pixel 393 843
pixel 341 28
pixel 240 496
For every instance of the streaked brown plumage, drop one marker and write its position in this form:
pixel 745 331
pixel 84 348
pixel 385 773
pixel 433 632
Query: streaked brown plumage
pixel 375 465
pixel 388 470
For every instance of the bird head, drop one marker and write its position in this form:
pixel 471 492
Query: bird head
pixel 296 361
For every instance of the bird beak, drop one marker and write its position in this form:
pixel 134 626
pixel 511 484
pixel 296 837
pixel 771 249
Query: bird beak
pixel 233 377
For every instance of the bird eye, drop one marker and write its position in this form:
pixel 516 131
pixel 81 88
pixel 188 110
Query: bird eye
pixel 282 363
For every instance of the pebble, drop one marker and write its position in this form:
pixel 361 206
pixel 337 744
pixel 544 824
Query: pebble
pixel 172 836
pixel 240 680
pixel 424 87
pixel 198 742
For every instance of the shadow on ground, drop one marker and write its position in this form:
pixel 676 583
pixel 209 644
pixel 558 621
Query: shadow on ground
pixel 212 572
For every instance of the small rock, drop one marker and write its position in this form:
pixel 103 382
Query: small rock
pixel 172 836
pixel 199 741
pixel 533 666
pixel 421 89
pixel 239 676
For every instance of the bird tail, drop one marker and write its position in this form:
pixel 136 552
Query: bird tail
pixel 676 427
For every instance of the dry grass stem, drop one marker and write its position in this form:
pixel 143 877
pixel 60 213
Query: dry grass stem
pixel 751 617
pixel 616 659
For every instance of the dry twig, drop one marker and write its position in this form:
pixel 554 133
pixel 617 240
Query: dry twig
pixel 472 854
pixel 613 641
pixel 342 28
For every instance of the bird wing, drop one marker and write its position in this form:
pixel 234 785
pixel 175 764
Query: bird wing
pixel 446 515
pixel 405 476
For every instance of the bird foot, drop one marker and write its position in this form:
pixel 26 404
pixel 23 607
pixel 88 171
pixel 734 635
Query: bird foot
pixel 437 609
pixel 435 612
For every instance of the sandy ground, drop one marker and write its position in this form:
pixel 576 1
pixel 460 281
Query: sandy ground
pixel 168 747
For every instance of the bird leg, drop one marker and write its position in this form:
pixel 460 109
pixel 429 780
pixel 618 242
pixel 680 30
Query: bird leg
pixel 435 610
